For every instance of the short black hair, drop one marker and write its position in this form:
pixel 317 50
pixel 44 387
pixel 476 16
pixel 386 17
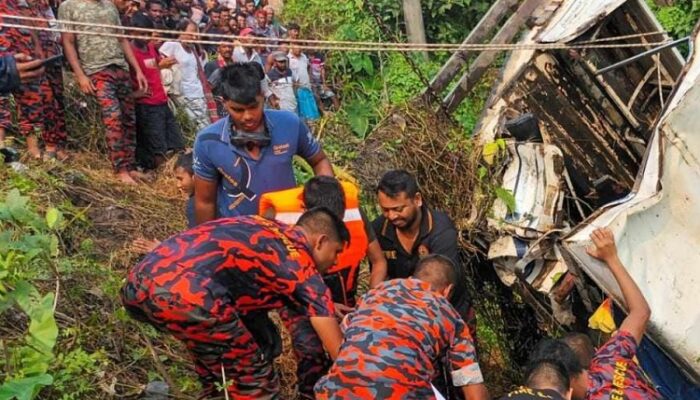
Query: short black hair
pixel 185 161
pixel 183 24
pixel 142 21
pixel 555 349
pixel 293 25
pixel 396 182
pixel 321 220
pixel 240 82
pixel 582 346
pixel 437 270
pixel 547 374
pixel 149 3
pixel 325 191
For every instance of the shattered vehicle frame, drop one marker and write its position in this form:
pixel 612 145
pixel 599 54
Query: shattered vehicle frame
pixel 601 137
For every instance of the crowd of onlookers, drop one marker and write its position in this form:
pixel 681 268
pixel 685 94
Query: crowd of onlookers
pixel 142 82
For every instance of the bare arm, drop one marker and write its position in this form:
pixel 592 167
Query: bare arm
pixel 476 392
pixel 131 59
pixel 204 200
pixel 638 309
pixel 321 165
pixel 328 331
pixel 71 54
pixel 378 262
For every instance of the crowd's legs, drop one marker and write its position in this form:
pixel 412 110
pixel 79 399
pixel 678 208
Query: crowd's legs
pixel 157 133
pixel 113 92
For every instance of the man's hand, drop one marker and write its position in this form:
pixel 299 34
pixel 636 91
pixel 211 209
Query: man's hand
pixel 603 247
pixel 274 101
pixel 638 311
pixel 144 246
pixel 86 85
pixel 141 80
pixel 28 69
pixel 341 310
pixel 167 62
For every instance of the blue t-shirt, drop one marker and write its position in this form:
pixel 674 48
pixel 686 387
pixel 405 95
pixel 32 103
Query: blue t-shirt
pixel 243 179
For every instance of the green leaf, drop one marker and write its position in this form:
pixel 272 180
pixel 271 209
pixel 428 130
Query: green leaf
pixel 506 196
pixel 25 388
pixel 52 217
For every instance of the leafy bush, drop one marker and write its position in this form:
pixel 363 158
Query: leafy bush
pixel 28 247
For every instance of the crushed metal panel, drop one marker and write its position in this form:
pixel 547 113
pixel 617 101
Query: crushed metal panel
pixel 658 228
pixel 575 17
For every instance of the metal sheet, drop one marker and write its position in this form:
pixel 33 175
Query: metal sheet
pixel 575 17
pixel 658 228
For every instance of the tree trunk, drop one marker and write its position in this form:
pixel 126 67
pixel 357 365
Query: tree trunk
pixel 413 15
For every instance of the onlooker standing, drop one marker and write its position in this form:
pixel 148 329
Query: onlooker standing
pixel 299 64
pixel 318 82
pixel 54 111
pixel 191 86
pixel 250 152
pixel 293 31
pixel 224 57
pixel 282 84
pixel 277 28
pixel 250 14
pixel 243 54
pixel 100 66
pixel 155 10
pixel 157 131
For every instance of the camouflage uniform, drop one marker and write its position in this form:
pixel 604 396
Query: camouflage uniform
pixel 393 342
pixel 34 100
pixel 615 375
pixel 202 284
pixel 102 59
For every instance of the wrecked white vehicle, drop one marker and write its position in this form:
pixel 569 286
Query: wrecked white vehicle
pixel 603 137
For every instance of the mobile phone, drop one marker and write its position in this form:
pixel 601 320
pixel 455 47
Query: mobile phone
pixel 54 59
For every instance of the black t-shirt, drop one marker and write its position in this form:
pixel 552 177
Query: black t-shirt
pixel 437 235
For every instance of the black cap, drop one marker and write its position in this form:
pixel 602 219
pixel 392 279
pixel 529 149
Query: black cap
pixel 532 394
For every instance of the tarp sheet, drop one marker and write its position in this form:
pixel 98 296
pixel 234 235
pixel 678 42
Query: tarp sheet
pixel 658 227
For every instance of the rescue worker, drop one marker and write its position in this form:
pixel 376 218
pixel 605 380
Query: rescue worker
pixel 200 285
pixel 343 200
pixel 399 333
pixel 611 372
pixel 545 379
pixel 408 230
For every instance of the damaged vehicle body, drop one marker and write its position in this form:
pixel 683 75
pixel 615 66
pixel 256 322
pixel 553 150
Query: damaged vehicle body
pixel 602 137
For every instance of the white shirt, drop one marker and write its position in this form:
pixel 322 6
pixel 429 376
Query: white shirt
pixel 300 69
pixel 190 86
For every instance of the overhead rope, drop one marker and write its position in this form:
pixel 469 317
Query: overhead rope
pixel 330 45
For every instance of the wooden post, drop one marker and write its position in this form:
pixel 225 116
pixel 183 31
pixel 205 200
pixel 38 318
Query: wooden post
pixel 479 67
pixel 480 32
pixel 413 16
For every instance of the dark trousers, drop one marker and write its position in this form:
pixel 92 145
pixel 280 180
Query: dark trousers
pixel 157 132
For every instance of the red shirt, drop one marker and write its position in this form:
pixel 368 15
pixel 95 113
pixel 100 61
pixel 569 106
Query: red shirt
pixel 614 375
pixel 148 61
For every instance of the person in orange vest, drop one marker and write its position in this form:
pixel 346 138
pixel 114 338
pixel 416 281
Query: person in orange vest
pixel 343 200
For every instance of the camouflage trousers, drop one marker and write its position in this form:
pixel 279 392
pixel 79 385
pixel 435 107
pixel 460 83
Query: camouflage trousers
pixel 38 110
pixel 220 344
pixel 114 91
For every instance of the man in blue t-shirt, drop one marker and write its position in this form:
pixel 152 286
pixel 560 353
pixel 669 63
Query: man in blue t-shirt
pixel 249 152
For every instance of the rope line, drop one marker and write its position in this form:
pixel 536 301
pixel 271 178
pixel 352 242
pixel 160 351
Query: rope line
pixel 330 44
pixel 472 47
